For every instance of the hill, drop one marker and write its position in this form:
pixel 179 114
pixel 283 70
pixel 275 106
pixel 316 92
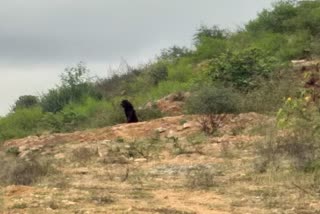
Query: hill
pixel 161 166
pixel 229 126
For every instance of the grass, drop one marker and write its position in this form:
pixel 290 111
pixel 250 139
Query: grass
pixel 83 154
pixel 23 172
pixel 200 178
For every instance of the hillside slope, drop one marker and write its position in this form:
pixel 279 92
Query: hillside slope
pixel 162 166
pixel 133 168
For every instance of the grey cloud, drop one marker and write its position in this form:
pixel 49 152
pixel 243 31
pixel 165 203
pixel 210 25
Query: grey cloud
pixel 38 38
pixel 63 30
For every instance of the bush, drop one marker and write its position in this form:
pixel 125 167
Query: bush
pixel 299 146
pixel 212 100
pixel 20 123
pixel 149 113
pixel 200 177
pixel 75 88
pixel 158 72
pixel 288 17
pixel 269 95
pixel 56 99
pixel 299 150
pixel 83 154
pixel 25 101
pixel 182 71
pixel 22 172
pixel 173 53
pixel 242 69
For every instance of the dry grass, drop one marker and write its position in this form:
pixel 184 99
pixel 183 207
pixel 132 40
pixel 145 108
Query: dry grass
pixel 213 175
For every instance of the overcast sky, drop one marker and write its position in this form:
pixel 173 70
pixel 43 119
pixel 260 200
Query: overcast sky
pixel 39 38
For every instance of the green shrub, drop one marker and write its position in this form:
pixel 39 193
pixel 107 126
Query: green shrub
pixel 52 122
pixel 158 72
pixel 279 19
pixel 242 69
pixel 56 99
pixel 75 87
pixel 182 71
pixel 212 100
pixel 269 95
pixel 121 82
pixel 13 151
pixel 149 113
pixel 298 146
pixel 20 123
pixel 210 48
pixel 25 101
pixel 173 53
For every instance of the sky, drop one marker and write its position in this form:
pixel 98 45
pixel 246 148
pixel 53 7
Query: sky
pixel 40 38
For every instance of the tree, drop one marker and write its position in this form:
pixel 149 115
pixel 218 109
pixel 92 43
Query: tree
pixel 25 101
pixel 75 86
pixel 174 53
pixel 215 32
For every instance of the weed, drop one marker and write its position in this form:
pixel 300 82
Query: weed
pixel 83 154
pixel 225 150
pixel 200 178
pixel 22 172
pixel 119 140
pixel 138 193
pixel 144 148
pixel 13 151
pixel 53 205
pixel 210 123
pixel 19 206
pixel 102 199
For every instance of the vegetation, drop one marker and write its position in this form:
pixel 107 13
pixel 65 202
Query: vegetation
pixel 229 72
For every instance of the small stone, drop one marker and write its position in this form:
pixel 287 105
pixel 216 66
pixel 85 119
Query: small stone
pixel 160 130
pixel 59 156
pixel 172 134
pixel 139 160
pixel 187 125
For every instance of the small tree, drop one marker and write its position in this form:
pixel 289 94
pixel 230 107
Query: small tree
pixel 173 53
pixel 158 73
pixel 242 69
pixel 74 76
pixel 205 32
pixel 75 86
pixel 25 101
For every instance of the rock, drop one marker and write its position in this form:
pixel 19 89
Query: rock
pixel 102 150
pixel 160 130
pixel 67 202
pixel 180 128
pixel 81 171
pixel 105 142
pixel 172 134
pixel 149 105
pixel 187 125
pixel 59 156
pixel 24 153
pixel 140 160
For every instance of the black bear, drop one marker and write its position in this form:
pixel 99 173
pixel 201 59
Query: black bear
pixel 129 111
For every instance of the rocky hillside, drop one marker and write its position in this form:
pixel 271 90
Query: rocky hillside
pixel 162 166
pixel 167 166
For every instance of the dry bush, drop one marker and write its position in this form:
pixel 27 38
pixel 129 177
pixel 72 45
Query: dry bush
pixel 83 154
pixel 18 171
pixel 210 123
pixel 298 150
pixel 200 178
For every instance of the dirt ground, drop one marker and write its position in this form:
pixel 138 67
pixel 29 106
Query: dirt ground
pixel 165 166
